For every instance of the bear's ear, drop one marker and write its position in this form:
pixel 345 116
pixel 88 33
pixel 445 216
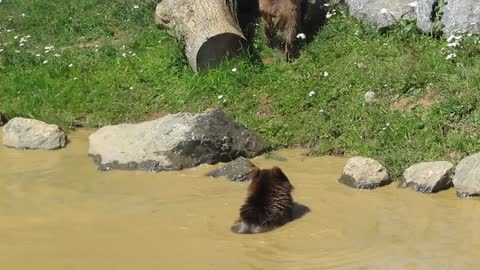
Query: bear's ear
pixel 277 173
pixel 254 173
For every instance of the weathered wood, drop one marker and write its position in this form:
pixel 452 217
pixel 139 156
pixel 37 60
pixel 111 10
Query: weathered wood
pixel 209 29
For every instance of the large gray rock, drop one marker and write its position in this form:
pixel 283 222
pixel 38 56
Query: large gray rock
pixel 174 142
pixel 381 14
pixel 462 16
pixel 23 133
pixel 425 14
pixel 364 173
pixel 237 170
pixel 467 176
pixel 428 177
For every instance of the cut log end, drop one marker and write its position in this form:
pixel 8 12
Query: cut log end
pixel 218 48
pixel 208 28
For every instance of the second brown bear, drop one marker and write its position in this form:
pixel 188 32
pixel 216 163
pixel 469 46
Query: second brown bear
pixel 269 202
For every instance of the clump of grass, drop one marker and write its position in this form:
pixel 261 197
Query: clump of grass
pixel 110 64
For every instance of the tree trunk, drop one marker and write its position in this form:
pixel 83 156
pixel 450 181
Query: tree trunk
pixel 209 28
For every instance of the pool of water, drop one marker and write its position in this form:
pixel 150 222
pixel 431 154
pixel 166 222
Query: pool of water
pixel 58 212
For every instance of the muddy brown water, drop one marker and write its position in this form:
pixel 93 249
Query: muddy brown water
pixel 58 212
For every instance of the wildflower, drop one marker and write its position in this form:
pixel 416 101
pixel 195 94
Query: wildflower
pixel 1 50
pixel 15 37
pixel 76 78
pixel 234 69
pixel 17 51
pixel 21 44
pixel 453 37
pixel 38 55
pixel 56 55
pixel 312 93
pixel 23 15
pixel 45 62
pixel 220 96
pixel 124 55
pixel 131 88
pixel 9 30
pixel 325 74
pixel 136 7
pixel 453 44
pixel 450 56
pixel 360 65
pixel 70 66
pixel 329 15
pixel 49 48
pixel 23 39
pixel 326 5
pixel 301 36
pixel 134 54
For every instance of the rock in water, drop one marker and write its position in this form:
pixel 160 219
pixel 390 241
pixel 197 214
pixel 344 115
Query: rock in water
pixel 381 14
pixel 23 133
pixel 364 173
pixel 428 177
pixel 174 142
pixel 237 170
pixel 467 176
pixel 461 16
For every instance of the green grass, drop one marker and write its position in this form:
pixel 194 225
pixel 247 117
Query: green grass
pixel 426 108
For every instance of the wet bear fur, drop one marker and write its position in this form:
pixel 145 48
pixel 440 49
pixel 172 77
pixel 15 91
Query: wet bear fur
pixel 269 202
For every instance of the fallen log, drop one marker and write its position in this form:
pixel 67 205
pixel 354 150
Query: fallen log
pixel 209 29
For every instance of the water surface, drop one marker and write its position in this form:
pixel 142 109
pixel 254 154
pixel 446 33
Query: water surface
pixel 58 212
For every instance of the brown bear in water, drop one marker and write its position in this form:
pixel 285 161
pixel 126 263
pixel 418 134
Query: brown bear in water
pixel 269 202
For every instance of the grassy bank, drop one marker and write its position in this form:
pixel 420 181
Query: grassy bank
pixel 110 65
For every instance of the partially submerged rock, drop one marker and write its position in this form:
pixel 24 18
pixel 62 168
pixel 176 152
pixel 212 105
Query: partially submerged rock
pixel 364 173
pixel 461 16
pixel 467 176
pixel 381 14
pixel 23 133
pixel 174 142
pixel 237 170
pixel 428 177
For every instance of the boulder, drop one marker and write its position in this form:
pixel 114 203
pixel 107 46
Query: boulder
pixel 461 16
pixel 364 173
pixel 467 176
pixel 174 142
pixel 23 133
pixel 237 170
pixel 381 14
pixel 425 10
pixel 428 177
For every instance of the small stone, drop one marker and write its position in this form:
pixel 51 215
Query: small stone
pixel 364 173
pixel 467 176
pixel 428 177
pixel 370 97
pixel 23 133
pixel 237 170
